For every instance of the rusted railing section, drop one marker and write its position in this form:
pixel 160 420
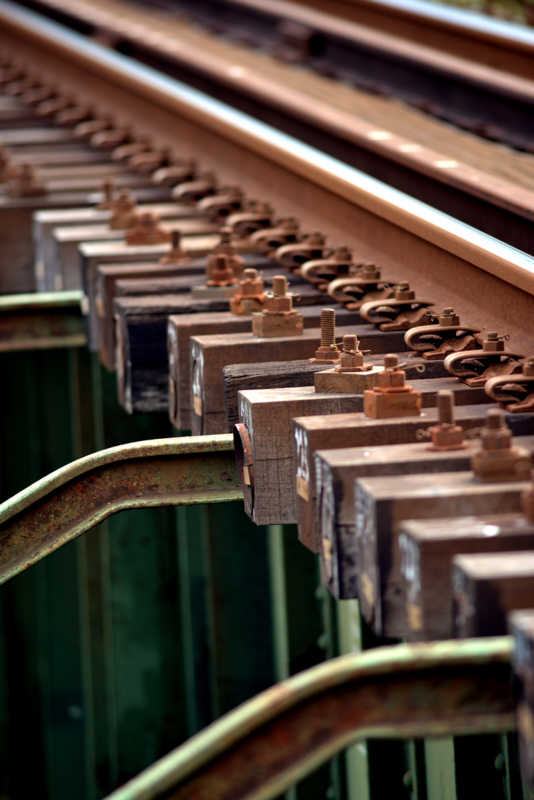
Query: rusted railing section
pixel 73 499
pixel 267 744
pixel 41 321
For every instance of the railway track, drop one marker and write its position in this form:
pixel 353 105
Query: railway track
pixel 389 130
pixel 130 267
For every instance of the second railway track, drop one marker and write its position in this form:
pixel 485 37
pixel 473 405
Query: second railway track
pixel 385 104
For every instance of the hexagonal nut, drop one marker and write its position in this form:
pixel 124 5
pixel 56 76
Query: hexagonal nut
pixel 498 439
pixel 444 436
pixel 279 305
pixel 493 346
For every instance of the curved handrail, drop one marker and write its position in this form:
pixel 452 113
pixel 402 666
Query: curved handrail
pixel 261 748
pixel 75 498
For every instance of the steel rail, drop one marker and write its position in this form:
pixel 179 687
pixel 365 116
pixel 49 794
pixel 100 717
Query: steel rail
pixel 75 498
pixel 455 30
pixel 41 321
pixel 261 748
pixel 141 84
pixel 488 202
pixel 461 91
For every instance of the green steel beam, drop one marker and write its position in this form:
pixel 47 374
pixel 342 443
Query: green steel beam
pixel 406 691
pixel 41 321
pixel 75 498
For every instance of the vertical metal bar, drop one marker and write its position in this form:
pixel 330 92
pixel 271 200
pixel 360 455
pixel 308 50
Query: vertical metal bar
pixel 144 658
pixel 88 438
pixel 275 546
pixel 439 758
pixel 350 641
pixel 275 543
pixel 239 607
pixel 192 572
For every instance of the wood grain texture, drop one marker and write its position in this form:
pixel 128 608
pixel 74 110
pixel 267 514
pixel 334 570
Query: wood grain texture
pixel 268 415
pixel 343 431
pixel 212 354
pixel 427 551
pixel 101 319
pixel 486 587
pixel 382 503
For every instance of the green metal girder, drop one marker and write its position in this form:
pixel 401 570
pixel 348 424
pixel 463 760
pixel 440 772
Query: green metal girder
pixel 75 498
pixel 406 691
pixel 41 321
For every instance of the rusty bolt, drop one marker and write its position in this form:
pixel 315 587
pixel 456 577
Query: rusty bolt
pixel 495 435
pixel 448 318
pixel 222 274
pixel 403 291
pixel 445 403
pixel 123 211
pixel 498 460
pixel 528 367
pixel 492 343
pixel 279 286
pixel 350 344
pixel 25 182
pixel 108 187
pixel 446 435
pixel 279 302
pixel 251 284
pixel 352 358
pixel 392 378
pixel 328 350
pixel 175 253
pixel 370 272
pixel 147 231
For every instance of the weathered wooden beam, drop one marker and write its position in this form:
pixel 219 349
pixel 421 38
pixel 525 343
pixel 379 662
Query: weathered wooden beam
pixel 355 430
pixel 209 354
pixel 101 320
pixel 67 242
pixel 428 548
pixel 336 472
pixel 141 331
pixel 267 416
pixel 44 223
pixel 381 505
pixel 486 587
pixel 181 329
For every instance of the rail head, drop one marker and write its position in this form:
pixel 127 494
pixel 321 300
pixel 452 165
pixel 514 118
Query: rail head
pixel 261 748
pixel 75 498
pixel 395 207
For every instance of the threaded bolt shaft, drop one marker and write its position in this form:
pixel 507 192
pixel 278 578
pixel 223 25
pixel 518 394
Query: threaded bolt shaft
pixel 492 336
pixel 350 344
pixel 495 419
pixel 328 327
pixel 445 403
pixel 176 238
pixel 391 361
pixel 225 235
pixel 403 286
pixel 280 286
pixel 250 274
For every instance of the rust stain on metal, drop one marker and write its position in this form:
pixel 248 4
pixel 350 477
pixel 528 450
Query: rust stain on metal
pixel 267 744
pixel 72 500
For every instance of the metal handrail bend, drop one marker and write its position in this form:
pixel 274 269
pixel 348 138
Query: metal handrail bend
pixel 75 498
pixel 270 742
